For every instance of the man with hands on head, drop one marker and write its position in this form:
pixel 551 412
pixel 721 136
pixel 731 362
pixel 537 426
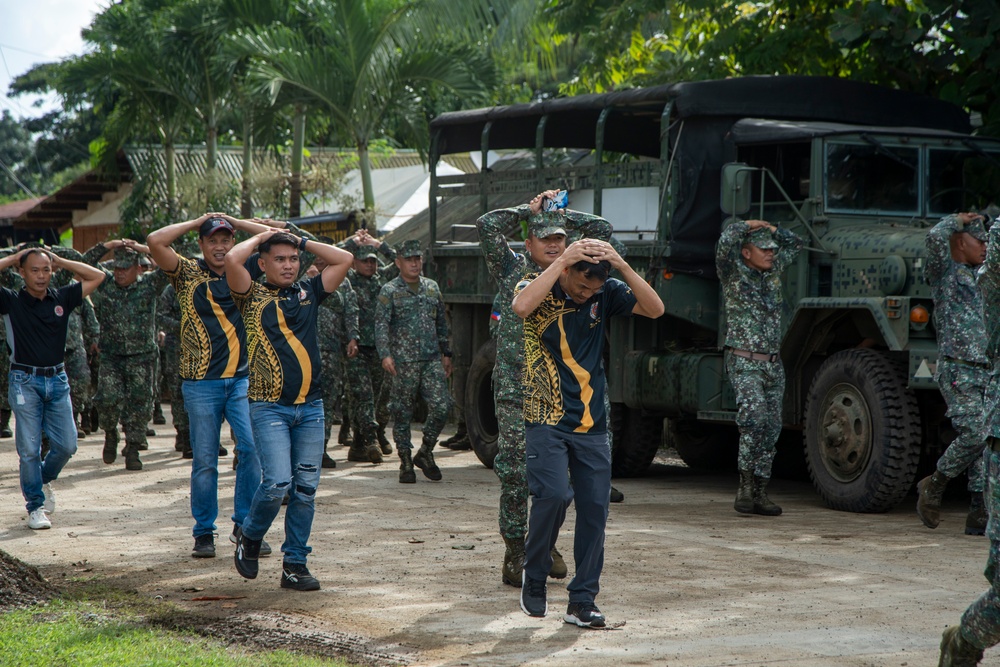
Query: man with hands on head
pixel 36 318
pixel 566 310
pixel 213 365
pixel 286 397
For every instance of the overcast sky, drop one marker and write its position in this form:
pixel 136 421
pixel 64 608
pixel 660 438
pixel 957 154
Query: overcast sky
pixel 38 31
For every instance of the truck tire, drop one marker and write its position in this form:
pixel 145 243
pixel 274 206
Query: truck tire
pixel 862 432
pixel 637 437
pixel 480 409
pixel 704 446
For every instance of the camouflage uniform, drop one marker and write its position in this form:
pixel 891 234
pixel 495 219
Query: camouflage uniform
pixel 753 320
pixel 963 369
pixel 369 412
pixel 410 327
pixel 336 326
pixel 168 320
pixel 82 332
pixel 507 268
pixel 128 350
pixel 980 626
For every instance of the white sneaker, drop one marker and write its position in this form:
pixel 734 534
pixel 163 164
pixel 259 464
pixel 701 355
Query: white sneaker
pixel 49 505
pixel 37 520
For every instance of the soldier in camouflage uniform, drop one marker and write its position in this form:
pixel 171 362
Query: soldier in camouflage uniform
pixel 366 382
pixel 979 629
pixel 546 240
pixel 411 336
pixel 168 320
pixel 337 332
pixel 126 309
pixel 750 257
pixel 82 332
pixel 956 247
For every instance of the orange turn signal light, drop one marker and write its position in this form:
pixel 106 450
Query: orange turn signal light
pixel 919 315
pixel 667 275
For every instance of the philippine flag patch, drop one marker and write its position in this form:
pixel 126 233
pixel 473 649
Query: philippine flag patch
pixel 495 316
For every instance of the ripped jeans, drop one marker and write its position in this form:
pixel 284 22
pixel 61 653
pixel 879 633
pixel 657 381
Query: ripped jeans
pixel 289 440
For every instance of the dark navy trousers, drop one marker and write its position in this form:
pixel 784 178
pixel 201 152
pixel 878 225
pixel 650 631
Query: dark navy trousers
pixel 550 453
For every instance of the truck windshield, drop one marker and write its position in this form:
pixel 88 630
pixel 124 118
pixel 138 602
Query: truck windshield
pixel 962 179
pixel 872 177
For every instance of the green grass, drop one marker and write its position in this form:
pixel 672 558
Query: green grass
pixel 92 633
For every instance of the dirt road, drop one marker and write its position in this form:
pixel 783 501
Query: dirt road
pixel 411 574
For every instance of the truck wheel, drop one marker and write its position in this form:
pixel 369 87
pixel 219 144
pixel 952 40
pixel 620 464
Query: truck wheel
pixel 637 437
pixel 703 446
pixel 863 433
pixel 480 410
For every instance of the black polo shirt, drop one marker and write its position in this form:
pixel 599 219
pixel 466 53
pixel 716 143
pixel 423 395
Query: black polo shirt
pixel 36 328
pixel 564 381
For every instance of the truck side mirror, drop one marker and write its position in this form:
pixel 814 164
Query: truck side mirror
pixel 735 196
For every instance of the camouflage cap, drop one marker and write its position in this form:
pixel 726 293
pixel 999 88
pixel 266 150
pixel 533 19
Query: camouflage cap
pixel 144 260
pixel 125 258
pixel 976 229
pixel 364 252
pixel 762 238
pixel 409 248
pixel 546 223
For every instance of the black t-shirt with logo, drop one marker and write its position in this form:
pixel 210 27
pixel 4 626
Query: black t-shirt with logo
pixel 36 328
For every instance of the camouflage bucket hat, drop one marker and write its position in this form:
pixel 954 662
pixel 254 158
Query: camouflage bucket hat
pixel 977 230
pixel 125 258
pixel 546 223
pixel 409 248
pixel 762 238
pixel 365 252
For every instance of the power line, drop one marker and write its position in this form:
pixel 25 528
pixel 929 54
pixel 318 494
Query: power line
pixel 18 180
pixel 30 53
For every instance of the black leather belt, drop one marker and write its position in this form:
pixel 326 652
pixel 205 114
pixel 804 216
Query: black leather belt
pixel 44 371
pixel 755 356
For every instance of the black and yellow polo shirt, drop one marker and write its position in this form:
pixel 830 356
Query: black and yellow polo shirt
pixel 281 340
pixel 564 381
pixel 212 334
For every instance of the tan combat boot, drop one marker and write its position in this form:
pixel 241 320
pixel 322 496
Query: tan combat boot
pixel 558 569
pixel 956 651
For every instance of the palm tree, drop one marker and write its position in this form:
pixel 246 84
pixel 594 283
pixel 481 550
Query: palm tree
pixel 363 61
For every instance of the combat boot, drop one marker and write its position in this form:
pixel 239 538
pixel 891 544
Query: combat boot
pixel 513 561
pixel 425 461
pixel 158 417
pixel 558 570
pixel 374 453
pixel 406 474
pixel 179 441
pixel 930 491
pixel 460 441
pixel 110 452
pixel 132 461
pixel 357 454
pixel 344 434
pixel 5 431
pixel 383 443
pixel 744 494
pixel 956 651
pixel 975 522
pixel 84 423
pixel 761 503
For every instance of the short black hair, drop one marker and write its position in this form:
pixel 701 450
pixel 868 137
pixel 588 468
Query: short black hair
pixel 32 251
pixel 591 270
pixel 279 238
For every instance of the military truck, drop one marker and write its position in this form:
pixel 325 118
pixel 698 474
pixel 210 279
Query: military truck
pixel 859 171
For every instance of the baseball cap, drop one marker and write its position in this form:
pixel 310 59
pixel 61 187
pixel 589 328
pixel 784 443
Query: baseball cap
pixel 213 225
pixel 409 248
pixel 363 252
pixel 125 258
pixel 545 224
pixel 762 238
pixel 976 229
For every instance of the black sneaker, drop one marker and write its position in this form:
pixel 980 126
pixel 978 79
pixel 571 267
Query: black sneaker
pixel 533 596
pixel 617 496
pixel 584 614
pixel 234 537
pixel 296 576
pixel 204 546
pixel 245 558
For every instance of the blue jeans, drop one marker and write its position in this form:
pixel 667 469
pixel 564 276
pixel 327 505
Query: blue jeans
pixel 206 402
pixel 41 404
pixel 549 452
pixel 290 443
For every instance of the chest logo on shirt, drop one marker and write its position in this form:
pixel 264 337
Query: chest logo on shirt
pixel 593 311
pixel 59 311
